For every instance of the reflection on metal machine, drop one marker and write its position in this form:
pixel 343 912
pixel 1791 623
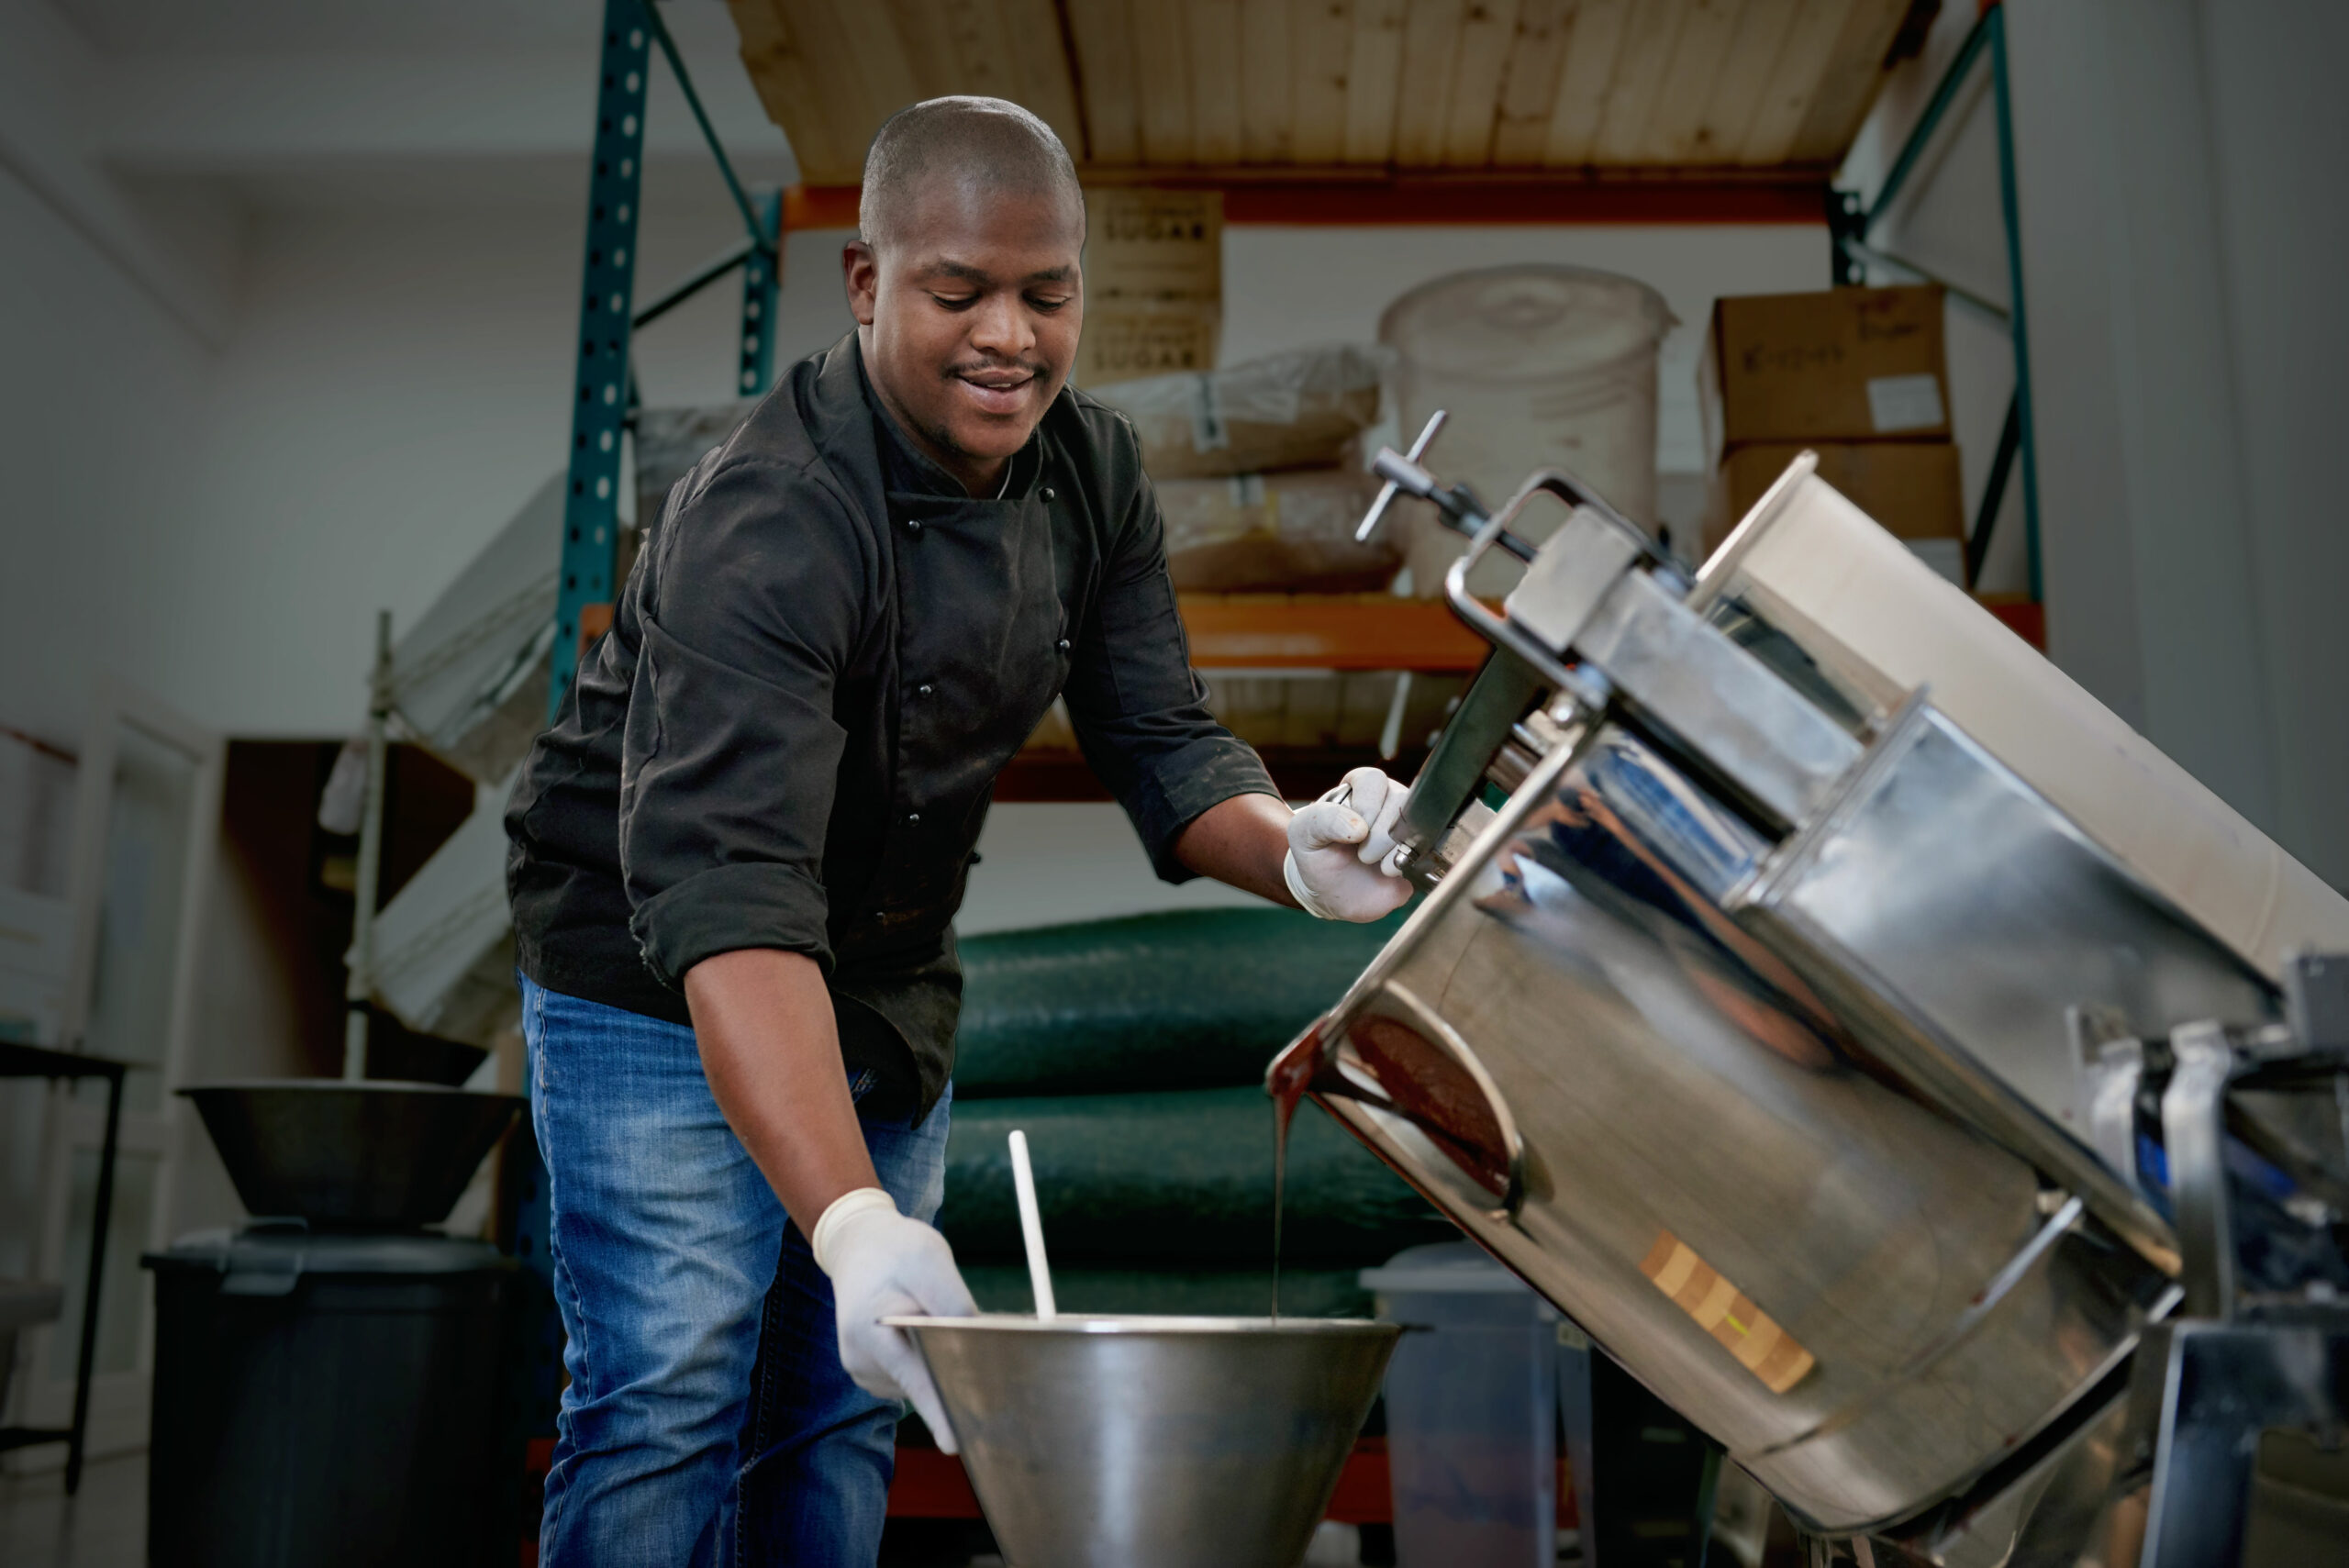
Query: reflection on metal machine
pixel 1937 1158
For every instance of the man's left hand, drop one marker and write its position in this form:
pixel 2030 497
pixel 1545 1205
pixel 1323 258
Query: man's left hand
pixel 1343 859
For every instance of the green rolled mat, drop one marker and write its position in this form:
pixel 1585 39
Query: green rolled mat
pixel 1191 1000
pixel 1175 1181
pixel 1197 1292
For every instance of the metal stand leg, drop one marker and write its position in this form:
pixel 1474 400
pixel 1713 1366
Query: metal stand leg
pixel 87 1360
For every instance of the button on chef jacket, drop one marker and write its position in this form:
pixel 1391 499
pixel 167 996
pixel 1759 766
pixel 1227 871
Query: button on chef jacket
pixel 824 655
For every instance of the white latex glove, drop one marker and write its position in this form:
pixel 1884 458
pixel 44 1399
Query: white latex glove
pixel 1343 859
pixel 883 1264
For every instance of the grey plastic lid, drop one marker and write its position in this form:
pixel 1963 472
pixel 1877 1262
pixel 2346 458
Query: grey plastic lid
pixel 290 1252
pixel 1446 1268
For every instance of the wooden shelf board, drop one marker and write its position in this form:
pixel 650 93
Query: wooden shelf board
pixel 1186 85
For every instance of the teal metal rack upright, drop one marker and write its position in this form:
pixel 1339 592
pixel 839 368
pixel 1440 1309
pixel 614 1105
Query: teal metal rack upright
pixel 1853 221
pixel 604 396
pixel 604 407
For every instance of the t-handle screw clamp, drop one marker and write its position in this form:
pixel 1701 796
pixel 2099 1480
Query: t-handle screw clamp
pixel 1378 512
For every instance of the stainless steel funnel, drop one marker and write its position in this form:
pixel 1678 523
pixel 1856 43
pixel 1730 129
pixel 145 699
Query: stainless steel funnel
pixel 1154 1442
pixel 351 1156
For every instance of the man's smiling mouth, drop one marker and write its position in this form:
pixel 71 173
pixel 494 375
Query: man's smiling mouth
pixel 996 391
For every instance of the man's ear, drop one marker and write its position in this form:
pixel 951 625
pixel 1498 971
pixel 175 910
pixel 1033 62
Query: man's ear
pixel 861 269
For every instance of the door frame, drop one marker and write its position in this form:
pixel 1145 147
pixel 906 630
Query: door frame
pixel 119 1401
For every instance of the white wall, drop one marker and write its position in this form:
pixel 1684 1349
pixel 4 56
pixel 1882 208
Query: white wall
pixel 101 414
pixel 2181 188
pixel 397 387
pixel 2279 123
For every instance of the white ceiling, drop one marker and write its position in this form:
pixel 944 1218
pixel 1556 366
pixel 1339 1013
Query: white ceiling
pixel 297 103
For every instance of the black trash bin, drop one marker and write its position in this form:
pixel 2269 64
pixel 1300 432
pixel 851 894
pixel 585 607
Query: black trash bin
pixel 324 1397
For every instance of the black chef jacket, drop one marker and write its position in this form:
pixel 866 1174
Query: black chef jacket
pixel 825 655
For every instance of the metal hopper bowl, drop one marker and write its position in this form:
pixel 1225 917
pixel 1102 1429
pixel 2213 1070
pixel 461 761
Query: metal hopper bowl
pixel 351 1155
pixel 1154 1442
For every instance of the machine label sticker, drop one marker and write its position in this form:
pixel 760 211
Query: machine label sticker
pixel 1747 1332
pixel 1904 402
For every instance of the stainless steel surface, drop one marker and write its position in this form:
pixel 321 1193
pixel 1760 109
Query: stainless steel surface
pixel 1798 1050
pixel 1776 748
pixel 1154 1442
pixel 1956 886
pixel 1570 575
pixel 1593 623
pixel 2057 1513
pixel 2113 1108
pixel 2194 1137
pixel 371 1155
pixel 1675 1081
pixel 1428 1094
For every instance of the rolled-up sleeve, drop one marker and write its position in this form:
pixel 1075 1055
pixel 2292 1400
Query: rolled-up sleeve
pixel 1139 709
pixel 755 605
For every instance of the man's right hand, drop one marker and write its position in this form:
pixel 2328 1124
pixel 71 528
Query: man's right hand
pixel 1342 859
pixel 884 1264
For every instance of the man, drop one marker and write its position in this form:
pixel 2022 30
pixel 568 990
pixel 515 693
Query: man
pixel 737 854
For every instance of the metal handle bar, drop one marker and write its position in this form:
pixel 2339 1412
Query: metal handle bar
pixel 1455 504
pixel 1585 685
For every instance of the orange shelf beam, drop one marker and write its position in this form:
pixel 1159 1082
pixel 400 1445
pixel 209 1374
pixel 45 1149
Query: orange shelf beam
pixel 1285 631
pixel 1369 631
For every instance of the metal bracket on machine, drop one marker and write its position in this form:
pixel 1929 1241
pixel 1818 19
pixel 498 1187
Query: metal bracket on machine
pixel 2112 1064
pixel 2194 1135
pixel 1629 635
pixel 2213 1388
pixel 1600 617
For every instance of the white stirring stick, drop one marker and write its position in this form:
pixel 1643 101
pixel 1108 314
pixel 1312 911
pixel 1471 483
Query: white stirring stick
pixel 1032 1228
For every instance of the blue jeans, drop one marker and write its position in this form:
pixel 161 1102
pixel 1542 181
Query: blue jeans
pixel 708 1421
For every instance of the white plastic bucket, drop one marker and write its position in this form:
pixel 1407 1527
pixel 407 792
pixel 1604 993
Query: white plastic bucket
pixel 1540 366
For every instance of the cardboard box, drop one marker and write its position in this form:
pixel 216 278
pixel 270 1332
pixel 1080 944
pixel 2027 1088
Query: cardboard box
pixel 1154 283
pixel 1911 488
pixel 1153 246
pixel 1124 341
pixel 1846 364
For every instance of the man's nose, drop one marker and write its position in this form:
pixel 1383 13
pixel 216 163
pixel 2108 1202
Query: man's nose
pixel 1000 326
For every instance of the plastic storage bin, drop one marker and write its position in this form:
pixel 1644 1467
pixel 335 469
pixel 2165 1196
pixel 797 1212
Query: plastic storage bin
pixel 329 1398
pixel 1472 1411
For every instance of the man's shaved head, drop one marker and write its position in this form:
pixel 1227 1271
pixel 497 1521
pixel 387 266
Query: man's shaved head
pixel 980 145
pixel 968 282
